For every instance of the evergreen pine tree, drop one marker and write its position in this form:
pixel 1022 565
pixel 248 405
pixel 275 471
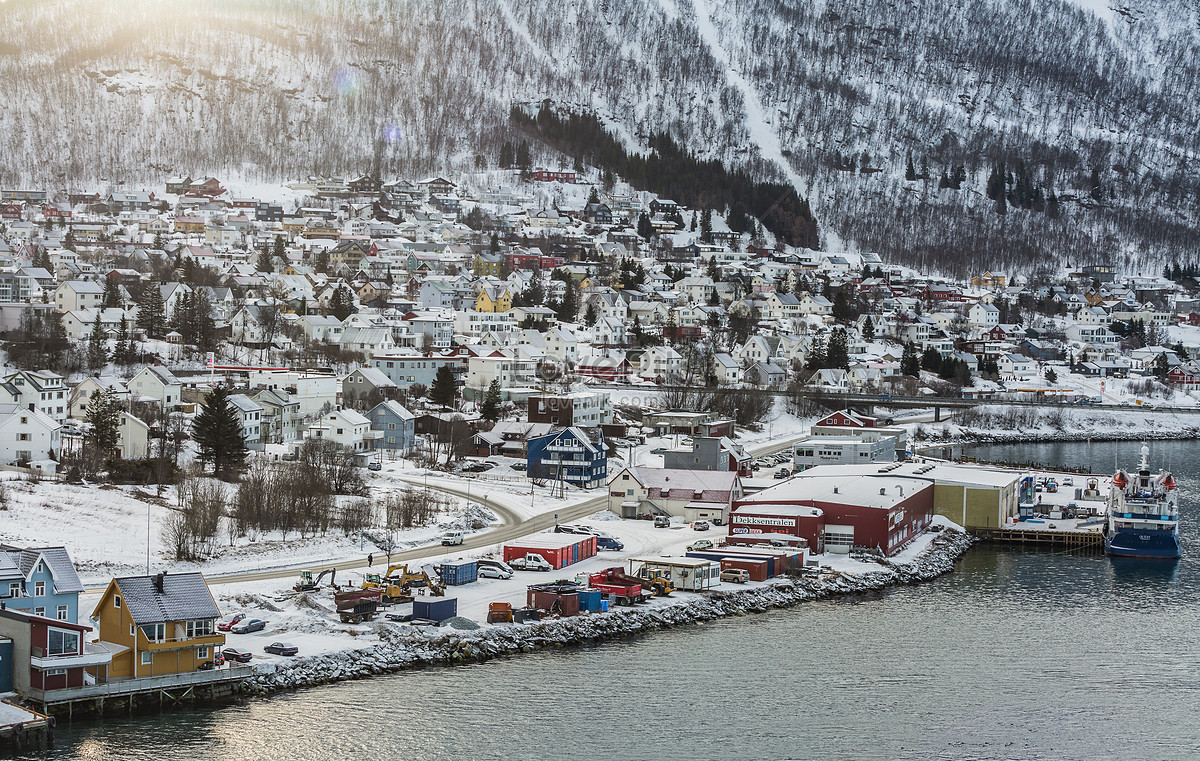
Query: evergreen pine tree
pixel 837 356
pixel 218 434
pixel 122 350
pixel 1052 206
pixel 868 329
pixel 97 356
pixel 506 155
pixel 910 173
pixel 817 358
pixel 341 305
pixel 490 409
pixel 523 160
pixel 910 363
pixel 152 318
pixel 444 390
pixel 104 417
pixel 589 315
pixel 706 226
pixel 593 196
pixel 644 229
pixel 112 293
pixel 931 360
pixel 158 241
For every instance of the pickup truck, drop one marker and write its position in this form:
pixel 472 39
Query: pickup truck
pixel 531 562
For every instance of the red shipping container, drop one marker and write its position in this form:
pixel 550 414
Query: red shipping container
pixel 559 550
pixel 566 604
pixel 756 568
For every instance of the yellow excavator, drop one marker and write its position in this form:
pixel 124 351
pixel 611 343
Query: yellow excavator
pixel 397 583
pixel 656 581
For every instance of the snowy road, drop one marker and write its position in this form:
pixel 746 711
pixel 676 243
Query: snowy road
pixel 511 527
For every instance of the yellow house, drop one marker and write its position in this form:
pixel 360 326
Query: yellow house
pixel 487 264
pixel 489 301
pixel 185 224
pixel 155 625
pixel 989 280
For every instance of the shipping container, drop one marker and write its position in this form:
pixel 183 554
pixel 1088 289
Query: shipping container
pixel 590 599
pixel 458 572
pixel 559 550
pixel 721 554
pixel 435 610
pixel 788 559
pixel 565 603
pixel 756 568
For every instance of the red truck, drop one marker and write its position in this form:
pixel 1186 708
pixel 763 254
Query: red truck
pixel 613 581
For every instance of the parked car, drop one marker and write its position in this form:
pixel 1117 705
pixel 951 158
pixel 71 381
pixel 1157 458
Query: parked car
pixel 755 466
pixel 662 521
pixel 497 565
pixel 608 543
pixel 252 625
pixel 736 575
pixel 374 466
pixel 236 655
pixel 518 466
pixel 658 450
pixel 499 571
pixel 226 624
pixel 281 648
pixel 206 666
pixel 700 544
pixel 291 456
pixel 531 562
pixel 700 526
pixel 781 473
pixel 451 538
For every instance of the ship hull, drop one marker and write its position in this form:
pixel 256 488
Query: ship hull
pixel 1143 544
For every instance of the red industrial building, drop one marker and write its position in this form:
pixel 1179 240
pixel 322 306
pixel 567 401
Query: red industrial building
pixel 835 513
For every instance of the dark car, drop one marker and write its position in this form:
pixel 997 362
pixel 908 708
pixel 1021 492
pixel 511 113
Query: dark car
pixel 518 466
pixel 281 648
pixel 237 656
pixel 253 625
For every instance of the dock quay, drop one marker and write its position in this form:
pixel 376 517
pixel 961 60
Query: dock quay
pixel 22 728
pixel 1085 540
pixel 143 693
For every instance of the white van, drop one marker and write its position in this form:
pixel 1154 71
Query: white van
pixel 452 538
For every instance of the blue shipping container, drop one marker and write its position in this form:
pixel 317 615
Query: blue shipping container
pixel 589 600
pixel 459 572
pixel 435 610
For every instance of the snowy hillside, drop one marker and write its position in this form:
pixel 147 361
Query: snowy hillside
pixel 1095 102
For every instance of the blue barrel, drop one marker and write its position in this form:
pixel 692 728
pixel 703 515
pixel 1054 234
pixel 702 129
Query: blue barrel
pixel 604 606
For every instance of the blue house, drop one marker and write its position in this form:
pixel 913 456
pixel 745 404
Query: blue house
pixel 41 580
pixel 568 455
pixel 397 425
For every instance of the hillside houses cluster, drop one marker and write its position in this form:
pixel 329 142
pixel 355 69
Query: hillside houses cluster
pixel 383 283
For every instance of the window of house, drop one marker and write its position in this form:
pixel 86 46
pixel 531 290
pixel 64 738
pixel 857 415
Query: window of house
pixel 39 611
pixel 62 642
pixel 131 630
pixel 202 653
pixel 201 628
pixel 147 657
pixel 39 588
pixel 116 601
pixel 155 632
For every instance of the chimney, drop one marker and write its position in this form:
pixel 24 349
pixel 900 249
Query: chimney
pixel 882 490
pixel 835 490
pixel 31 407
pixel 158 581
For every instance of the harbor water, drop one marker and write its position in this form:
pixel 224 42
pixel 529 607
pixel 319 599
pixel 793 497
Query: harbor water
pixel 1016 655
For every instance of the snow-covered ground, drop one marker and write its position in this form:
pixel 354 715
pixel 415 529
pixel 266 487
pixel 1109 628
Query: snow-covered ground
pixel 309 621
pixel 110 531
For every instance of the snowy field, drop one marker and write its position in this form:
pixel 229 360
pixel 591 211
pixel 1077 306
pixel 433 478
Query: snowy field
pixel 309 620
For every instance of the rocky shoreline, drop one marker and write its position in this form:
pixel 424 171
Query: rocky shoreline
pixel 968 438
pixel 400 648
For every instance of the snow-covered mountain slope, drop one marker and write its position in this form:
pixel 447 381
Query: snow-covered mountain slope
pixel 1079 91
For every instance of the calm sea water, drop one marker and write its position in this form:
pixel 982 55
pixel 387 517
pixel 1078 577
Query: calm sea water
pixel 1016 655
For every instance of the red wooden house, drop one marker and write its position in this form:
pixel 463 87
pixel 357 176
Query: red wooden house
pixel 48 654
